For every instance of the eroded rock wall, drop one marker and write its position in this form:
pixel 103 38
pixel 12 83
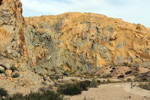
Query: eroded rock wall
pixel 70 42
pixel 12 31
pixel 80 42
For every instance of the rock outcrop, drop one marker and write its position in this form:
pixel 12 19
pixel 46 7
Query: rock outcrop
pixel 12 31
pixel 80 42
pixel 70 42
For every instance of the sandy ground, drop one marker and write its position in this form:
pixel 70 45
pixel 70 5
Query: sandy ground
pixel 117 91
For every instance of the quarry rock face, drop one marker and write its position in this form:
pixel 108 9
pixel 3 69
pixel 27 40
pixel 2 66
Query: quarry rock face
pixel 71 42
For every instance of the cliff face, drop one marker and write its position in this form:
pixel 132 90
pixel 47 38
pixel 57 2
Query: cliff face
pixel 12 31
pixel 72 42
pixel 86 41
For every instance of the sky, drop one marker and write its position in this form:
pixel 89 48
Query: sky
pixel 133 11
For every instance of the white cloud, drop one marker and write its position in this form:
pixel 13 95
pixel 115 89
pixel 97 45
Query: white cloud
pixel 134 11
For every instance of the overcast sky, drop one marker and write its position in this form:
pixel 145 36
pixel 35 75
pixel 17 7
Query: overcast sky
pixel 133 11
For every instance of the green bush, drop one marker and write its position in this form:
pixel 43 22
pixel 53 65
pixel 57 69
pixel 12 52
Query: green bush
pixel 47 95
pixel 13 68
pixel 145 86
pixel 33 96
pixel 3 92
pixel 16 96
pixel 16 75
pixel 88 98
pixel 52 96
pixel 42 89
pixel 55 77
pixel 109 81
pixel 94 83
pixel 84 85
pixel 129 80
pixel 40 74
pixel 99 82
pixel 1 71
pixel 69 89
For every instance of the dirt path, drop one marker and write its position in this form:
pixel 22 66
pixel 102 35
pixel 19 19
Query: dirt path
pixel 117 91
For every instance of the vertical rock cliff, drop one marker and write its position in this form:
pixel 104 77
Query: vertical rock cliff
pixel 12 31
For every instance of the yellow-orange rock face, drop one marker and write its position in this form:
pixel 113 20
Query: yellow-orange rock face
pixel 88 41
pixel 12 30
pixel 74 42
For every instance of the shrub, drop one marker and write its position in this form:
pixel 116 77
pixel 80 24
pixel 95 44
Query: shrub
pixel 88 98
pixel 8 55
pixel 129 80
pixel 3 92
pixel 145 86
pixel 17 96
pixel 42 89
pixel 44 83
pixel 84 85
pixel 103 82
pixel 94 83
pixel 1 71
pixel 108 80
pixel 16 75
pixel 99 82
pixel 46 95
pixel 69 89
pixel 46 68
pixel 50 87
pixel 143 79
pixel 50 95
pixel 56 84
pixel 65 74
pixel 40 74
pixel 120 77
pixel 55 77
pixel 13 68
pixel 33 96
